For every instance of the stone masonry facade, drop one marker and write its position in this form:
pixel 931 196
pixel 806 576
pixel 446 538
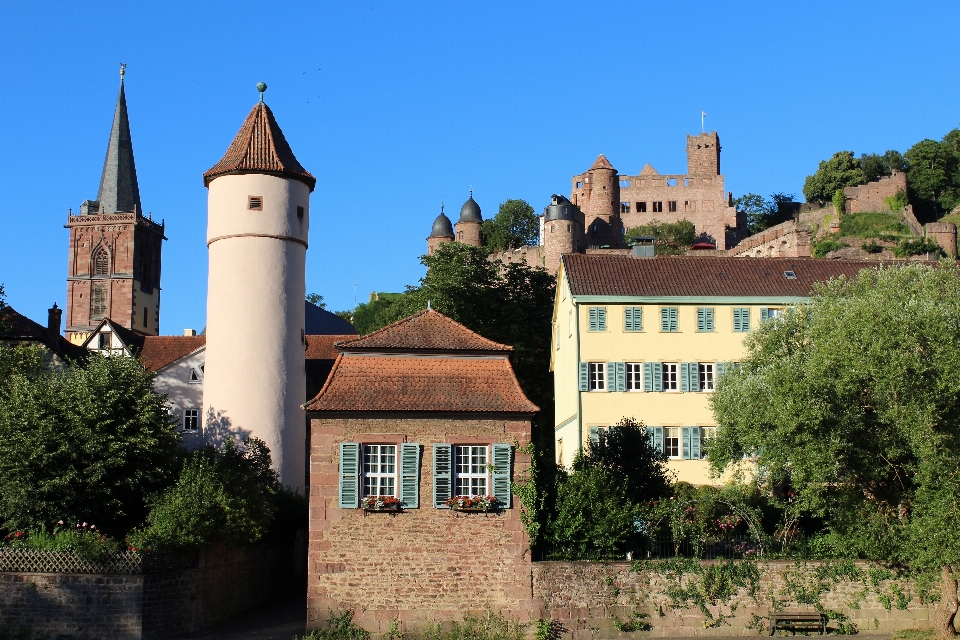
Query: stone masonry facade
pixel 421 565
pixel 871 196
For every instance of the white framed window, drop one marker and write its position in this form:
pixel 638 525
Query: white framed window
pixel 634 376
pixel 671 442
pixel 705 376
pixel 191 420
pixel 707 434
pixel 379 470
pixel 770 313
pixel 598 376
pixel 595 432
pixel 471 474
pixel 670 376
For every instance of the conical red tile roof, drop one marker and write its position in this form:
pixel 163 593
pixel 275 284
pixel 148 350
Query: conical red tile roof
pixel 601 163
pixel 260 147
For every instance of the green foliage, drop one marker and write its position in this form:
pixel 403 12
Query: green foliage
pixel 853 401
pixel 221 496
pixel 514 226
pixel 636 622
pixel 917 247
pixel 872 224
pixel 530 495
pixel 340 626
pixel 672 238
pixel 839 201
pixel 89 443
pixel 691 583
pixel 826 245
pixel 548 629
pixel 897 201
pixel 841 170
pixel 4 325
pixel 486 626
pixel 877 166
pixel 317 300
pixel 872 247
pixel 81 537
pixel 933 175
pixel 379 312
pixel 762 214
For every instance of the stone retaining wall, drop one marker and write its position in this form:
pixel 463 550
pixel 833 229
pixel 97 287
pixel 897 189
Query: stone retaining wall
pixel 139 607
pixel 591 598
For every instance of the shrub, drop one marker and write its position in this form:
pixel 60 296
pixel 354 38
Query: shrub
pixel 872 224
pixel 825 246
pixel 839 201
pixel 897 201
pixel 871 247
pixel 918 246
pixel 672 238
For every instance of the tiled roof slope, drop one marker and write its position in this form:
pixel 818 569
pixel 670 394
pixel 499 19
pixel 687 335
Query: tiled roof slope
pixel 601 163
pixel 427 330
pixel 160 351
pixel 429 384
pixel 623 275
pixel 260 147
pixel 320 347
pixel 23 329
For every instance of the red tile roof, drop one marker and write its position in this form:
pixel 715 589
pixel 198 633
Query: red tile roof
pixel 159 351
pixel 320 347
pixel 668 276
pixel 601 163
pixel 427 330
pixel 411 383
pixel 260 147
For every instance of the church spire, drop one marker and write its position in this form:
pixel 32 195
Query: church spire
pixel 119 190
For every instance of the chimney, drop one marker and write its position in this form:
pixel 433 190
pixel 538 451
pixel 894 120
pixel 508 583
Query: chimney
pixel 54 315
pixel 190 333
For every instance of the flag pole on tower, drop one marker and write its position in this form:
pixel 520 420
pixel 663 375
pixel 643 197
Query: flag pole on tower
pixel 703 114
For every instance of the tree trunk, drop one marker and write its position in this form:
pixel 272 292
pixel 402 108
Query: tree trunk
pixel 946 611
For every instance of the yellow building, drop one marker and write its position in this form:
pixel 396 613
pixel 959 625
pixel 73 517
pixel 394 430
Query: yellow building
pixel 647 337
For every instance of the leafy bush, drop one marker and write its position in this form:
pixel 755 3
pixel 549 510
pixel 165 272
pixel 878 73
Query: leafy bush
pixel 340 626
pixel 918 246
pixel 872 247
pixel 825 246
pixel 897 201
pixel 872 224
pixel 489 626
pixel 82 538
pixel 671 238
pixel 223 495
pixel 839 201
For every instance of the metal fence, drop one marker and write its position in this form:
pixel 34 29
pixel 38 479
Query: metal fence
pixel 22 560
pixel 711 548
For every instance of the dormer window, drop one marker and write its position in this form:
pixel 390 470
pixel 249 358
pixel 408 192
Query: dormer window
pixel 194 376
pixel 103 340
pixel 255 203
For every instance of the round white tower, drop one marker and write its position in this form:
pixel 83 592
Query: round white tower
pixel 258 215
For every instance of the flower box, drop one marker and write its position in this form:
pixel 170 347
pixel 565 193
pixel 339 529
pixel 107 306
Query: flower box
pixel 375 504
pixel 472 504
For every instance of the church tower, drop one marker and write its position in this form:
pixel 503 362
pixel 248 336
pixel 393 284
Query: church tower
pixel 258 217
pixel 113 268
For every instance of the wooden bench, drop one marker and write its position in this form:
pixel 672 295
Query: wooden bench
pixel 794 619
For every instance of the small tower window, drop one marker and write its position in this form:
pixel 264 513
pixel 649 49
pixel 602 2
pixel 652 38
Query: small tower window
pixel 98 307
pixel 101 262
pixel 300 213
pixel 144 317
pixel 255 203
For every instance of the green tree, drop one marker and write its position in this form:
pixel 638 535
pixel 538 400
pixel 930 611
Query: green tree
pixel 876 166
pixel 85 443
pixel 932 176
pixel 839 201
pixel 379 312
pixel 841 170
pixel 762 214
pixel 317 300
pixel 4 325
pixel 224 495
pixel 853 401
pixel 671 238
pixel 514 226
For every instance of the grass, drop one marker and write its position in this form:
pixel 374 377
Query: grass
pixel 914 634
pixel 487 626
pixel 872 224
pixel 953 217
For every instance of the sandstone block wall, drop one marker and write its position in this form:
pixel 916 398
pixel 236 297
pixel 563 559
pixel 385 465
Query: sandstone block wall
pixel 591 597
pixel 870 196
pixel 421 565
pixel 141 607
pixel 945 234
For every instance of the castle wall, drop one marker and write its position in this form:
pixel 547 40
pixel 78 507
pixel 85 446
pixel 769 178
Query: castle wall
pixel 945 234
pixel 870 196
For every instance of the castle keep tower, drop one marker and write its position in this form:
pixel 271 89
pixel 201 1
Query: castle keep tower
pixel 470 224
pixel 597 193
pixel 258 216
pixel 113 268
pixel 703 154
pixel 442 231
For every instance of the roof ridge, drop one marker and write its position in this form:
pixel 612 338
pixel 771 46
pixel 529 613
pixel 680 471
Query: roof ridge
pixel 420 343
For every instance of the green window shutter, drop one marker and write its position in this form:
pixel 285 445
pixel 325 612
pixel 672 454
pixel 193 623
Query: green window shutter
pixel 442 475
pixel 694 371
pixel 584 376
pixel 718 371
pixel 674 319
pixel 737 323
pixel 745 319
pixel 685 442
pixel 708 318
pixel 648 376
pixel 664 319
pixel 658 376
pixel 621 376
pixel 601 318
pixel 694 443
pixel 410 475
pixel 764 314
pixel 701 319
pixel 349 475
pixel 633 319
pixel 594 435
pixel 592 319
pixel 502 454
pixel 684 376
pixel 658 438
pixel 611 376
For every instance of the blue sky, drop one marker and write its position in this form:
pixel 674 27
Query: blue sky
pixel 396 107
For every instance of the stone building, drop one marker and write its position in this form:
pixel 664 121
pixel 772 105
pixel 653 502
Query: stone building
pixel 113 269
pixel 421 411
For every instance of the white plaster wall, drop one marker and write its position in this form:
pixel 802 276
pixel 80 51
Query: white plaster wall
pixel 174 380
pixel 255 380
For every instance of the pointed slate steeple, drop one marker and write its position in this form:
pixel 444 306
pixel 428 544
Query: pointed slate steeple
pixel 119 190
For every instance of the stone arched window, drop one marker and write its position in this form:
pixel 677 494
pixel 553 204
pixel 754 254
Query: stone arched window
pixel 98 301
pixel 101 262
